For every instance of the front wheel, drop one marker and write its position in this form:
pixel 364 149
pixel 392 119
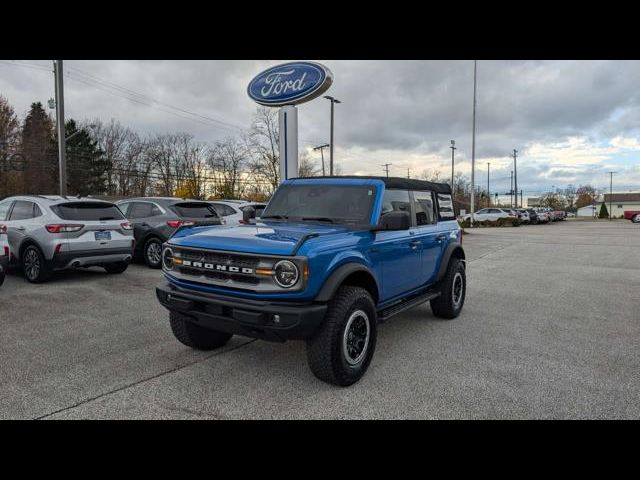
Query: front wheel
pixel 636 218
pixel 195 336
pixel 342 349
pixel 453 288
pixel 153 252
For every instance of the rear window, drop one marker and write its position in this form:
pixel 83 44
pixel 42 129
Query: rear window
pixel 258 208
pixel 87 211
pixel 195 210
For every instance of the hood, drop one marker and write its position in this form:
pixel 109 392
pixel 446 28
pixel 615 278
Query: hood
pixel 273 238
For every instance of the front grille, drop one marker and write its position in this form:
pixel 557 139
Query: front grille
pixel 220 276
pixel 241 261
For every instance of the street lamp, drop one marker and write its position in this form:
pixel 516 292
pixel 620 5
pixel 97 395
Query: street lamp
pixel 452 147
pixel 333 101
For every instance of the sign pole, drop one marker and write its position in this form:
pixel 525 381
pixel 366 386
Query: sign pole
pixel 288 123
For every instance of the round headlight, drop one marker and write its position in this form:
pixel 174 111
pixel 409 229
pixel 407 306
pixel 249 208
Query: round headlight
pixel 167 259
pixel 286 273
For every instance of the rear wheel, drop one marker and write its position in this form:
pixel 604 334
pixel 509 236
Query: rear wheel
pixel 195 336
pixel 453 289
pixel 34 265
pixel 636 218
pixel 153 252
pixel 115 268
pixel 342 349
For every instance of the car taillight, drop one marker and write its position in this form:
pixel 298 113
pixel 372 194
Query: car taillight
pixel 6 251
pixel 63 228
pixel 178 223
pixel 244 222
pixel 58 248
pixel 126 226
pixel 3 229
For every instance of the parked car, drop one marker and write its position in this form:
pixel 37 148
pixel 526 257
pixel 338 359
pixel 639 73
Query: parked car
pixel 4 251
pixel 543 215
pixel 232 210
pixel 329 259
pixel 633 215
pixel 533 216
pixel 155 219
pixel 47 233
pixel 491 214
pixel 523 215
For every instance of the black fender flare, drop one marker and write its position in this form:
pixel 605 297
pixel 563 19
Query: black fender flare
pixel 338 276
pixel 446 256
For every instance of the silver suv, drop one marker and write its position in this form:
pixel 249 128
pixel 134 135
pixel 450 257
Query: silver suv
pixel 47 233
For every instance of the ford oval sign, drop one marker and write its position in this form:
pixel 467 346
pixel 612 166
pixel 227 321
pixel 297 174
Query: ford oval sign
pixel 290 84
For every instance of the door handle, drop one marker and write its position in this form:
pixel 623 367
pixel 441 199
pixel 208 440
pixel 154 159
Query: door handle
pixel 21 228
pixel 415 244
pixel 441 237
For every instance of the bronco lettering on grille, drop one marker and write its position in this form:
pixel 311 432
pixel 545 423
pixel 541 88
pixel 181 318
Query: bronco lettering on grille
pixel 217 267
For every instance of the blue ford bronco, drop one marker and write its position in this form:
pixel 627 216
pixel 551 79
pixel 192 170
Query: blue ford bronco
pixel 329 258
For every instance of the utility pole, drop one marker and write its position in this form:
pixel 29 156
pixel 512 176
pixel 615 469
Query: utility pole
pixel 473 142
pixel 511 191
pixel 611 194
pixel 488 191
pixel 62 160
pixel 453 148
pixel 521 203
pixel 321 148
pixel 408 175
pixel 515 174
pixel 386 167
pixel 333 101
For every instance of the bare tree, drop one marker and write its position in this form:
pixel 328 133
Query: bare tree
pixel 263 140
pixel 307 168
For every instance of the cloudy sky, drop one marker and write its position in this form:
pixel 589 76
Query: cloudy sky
pixel 571 121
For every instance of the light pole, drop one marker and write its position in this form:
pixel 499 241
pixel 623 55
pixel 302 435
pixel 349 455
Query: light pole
pixel 473 142
pixel 333 101
pixel 62 161
pixel 321 148
pixel 515 174
pixel 452 147
pixel 611 194
pixel 488 191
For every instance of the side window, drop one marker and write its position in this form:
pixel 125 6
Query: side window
pixel 4 209
pixel 36 211
pixel 155 211
pixel 395 200
pixel 425 211
pixel 223 210
pixel 445 206
pixel 140 210
pixel 124 207
pixel 22 210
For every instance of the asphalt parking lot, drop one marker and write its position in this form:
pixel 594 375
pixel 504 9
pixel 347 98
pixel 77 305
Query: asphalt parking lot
pixel 550 329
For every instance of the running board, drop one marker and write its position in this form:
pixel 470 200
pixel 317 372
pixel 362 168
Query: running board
pixel 387 313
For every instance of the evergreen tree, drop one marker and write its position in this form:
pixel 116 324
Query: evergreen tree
pixel 39 150
pixel 86 162
pixel 11 162
pixel 604 213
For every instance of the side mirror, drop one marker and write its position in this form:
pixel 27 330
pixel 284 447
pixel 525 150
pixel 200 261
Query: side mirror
pixel 396 220
pixel 248 214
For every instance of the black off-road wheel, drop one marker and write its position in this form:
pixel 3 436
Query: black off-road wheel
pixel 153 252
pixel 115 268
pixel 195 336
pixel 342 349
pixel 453 288
pixel 35 267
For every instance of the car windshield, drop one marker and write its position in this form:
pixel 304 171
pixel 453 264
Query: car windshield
pixel 322 203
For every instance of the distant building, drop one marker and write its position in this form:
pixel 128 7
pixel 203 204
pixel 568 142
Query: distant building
pixel 588 211
pixel 619 203
pixel 533 201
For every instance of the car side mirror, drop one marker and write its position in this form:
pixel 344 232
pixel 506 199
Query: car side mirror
pixel 397 220
pixel 248 214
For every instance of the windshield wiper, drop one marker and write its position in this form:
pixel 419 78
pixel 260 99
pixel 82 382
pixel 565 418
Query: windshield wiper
pixel 319 219
pixel 279 217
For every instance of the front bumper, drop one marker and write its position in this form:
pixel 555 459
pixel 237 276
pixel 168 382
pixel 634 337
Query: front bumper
pixel 91 258
pixel 275 321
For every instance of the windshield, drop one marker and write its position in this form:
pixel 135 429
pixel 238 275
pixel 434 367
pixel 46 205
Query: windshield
pixel 322 203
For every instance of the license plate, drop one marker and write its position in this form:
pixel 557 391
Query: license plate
pixel 103 235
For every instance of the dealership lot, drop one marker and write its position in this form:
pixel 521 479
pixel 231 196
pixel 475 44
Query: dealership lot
pixel 550 329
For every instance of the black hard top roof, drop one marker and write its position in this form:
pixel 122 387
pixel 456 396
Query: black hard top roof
pixel 399 183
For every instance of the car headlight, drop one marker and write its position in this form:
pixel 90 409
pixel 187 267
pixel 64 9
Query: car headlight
pixel 167 258
pixel 286 273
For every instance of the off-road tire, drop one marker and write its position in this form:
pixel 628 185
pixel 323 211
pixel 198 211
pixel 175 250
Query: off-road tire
pixel 42 273
pixel 195 336
pixel 445 305
pixel 325 352
pixel 146 254
pixel 115 268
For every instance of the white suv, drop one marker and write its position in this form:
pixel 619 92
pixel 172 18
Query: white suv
pixel 4 252
pixel 232 210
